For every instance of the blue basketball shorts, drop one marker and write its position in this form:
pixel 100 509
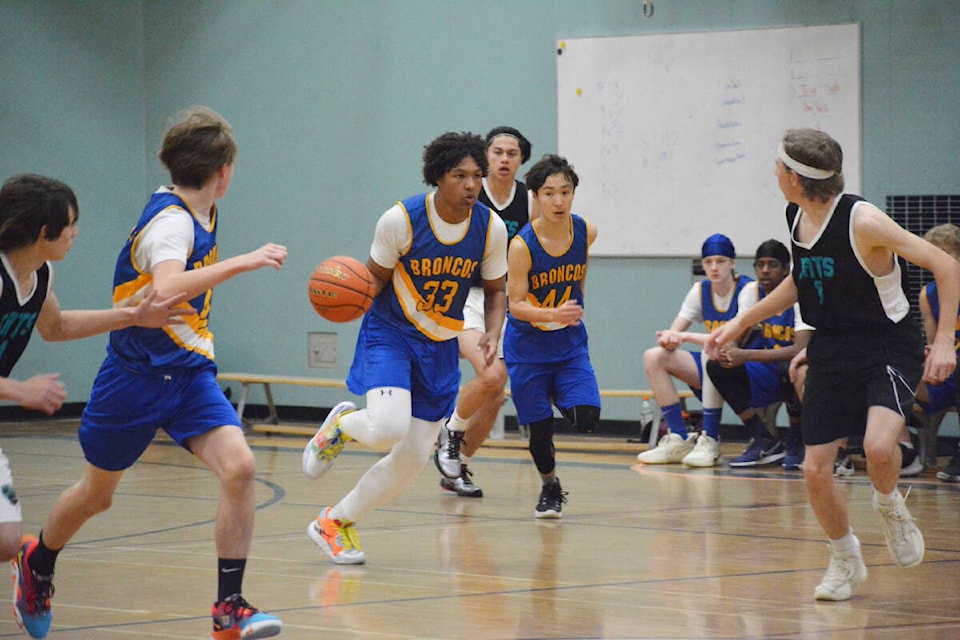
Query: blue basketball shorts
pixel 697 358
pixel 389 357
pixel 126 408
pixel 537 387
pixel 943 396
pixel 764 383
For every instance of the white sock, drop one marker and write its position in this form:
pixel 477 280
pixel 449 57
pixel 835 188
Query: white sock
pixel 886 499
pixel 464 459
pixel 456 423
pixel 846 544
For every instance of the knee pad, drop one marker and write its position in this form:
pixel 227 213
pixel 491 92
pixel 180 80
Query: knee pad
pixel 541 445
pixel 583 417
pixel 388 418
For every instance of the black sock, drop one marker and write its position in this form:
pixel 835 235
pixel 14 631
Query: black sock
pixel 758 430
pixel 229 577
pixel 43 559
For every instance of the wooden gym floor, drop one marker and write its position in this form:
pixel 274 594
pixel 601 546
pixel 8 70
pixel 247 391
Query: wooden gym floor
pixel 656 552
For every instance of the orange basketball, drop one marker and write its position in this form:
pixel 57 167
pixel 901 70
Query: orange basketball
pixel 341 289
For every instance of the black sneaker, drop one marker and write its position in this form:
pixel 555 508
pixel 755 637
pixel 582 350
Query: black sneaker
pixel 462 486
pixel 952 472
pixel 551 501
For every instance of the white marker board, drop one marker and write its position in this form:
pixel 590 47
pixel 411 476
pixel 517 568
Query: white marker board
pixel 674 135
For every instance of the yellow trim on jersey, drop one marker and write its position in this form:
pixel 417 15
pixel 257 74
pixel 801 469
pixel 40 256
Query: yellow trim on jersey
pixel 186 336
pixel 532 299
pixel 543 326
pixel 134 241
pixel 406 249
pixel 466 227
pixel 540 240
pixel 130 294
pixel 435 326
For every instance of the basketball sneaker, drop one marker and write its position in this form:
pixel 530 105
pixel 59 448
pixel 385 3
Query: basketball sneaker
pixel 951 473
pixel 706 453
pixel 237 619
pixel 760 451
pixel 904 540
pixel 910 462
pixel 447 454
pixel 31 592
pixel 462 486
pixel 793 459
pixel 846 571
pixel 327 443
pixel 338 538
pixel 843 467
pixel 672 448
pixel 550 504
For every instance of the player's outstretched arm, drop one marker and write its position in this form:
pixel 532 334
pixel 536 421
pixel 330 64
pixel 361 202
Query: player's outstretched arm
pixel 171 277
pixel 784 296
pixel 43 392
pixel 57 325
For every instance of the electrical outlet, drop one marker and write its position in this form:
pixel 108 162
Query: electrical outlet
pixel 321 350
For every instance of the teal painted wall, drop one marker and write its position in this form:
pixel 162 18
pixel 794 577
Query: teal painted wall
pixel 332 102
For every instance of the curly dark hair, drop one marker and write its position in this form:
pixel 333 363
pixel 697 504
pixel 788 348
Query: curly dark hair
pixel 28 203
pixel 547 166
pixel 448 150
pixel 525 146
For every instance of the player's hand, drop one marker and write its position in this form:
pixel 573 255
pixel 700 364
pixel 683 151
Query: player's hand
pixel 487 345
pixel 796 362
pixel 940 363
pixel 731 357
pixel 44 393
pixel 569 313
pixel 669 339
pixel 155 312
pixel 269 255
pixel 720 336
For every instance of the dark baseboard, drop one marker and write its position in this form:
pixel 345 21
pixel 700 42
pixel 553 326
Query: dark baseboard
pixel 620 429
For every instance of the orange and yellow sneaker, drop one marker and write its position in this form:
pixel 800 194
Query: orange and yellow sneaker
pixel 237 619
pixel 31 593
pixel 337 537
pixel 327 443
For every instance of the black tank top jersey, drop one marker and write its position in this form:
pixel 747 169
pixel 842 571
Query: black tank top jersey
pixel 16 320
pixel 514 215
pixel 834 290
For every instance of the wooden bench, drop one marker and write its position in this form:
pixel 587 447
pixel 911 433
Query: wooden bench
pixel 272 422
pixel 265 380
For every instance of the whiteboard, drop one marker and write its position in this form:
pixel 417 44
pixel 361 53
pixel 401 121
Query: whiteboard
pixel 674 135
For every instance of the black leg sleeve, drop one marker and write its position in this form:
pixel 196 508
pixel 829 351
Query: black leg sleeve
pixel 541 445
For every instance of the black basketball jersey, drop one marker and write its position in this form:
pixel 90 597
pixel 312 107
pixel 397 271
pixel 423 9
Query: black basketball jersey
pixel 834 289
pixel 17 320
pixel 516 213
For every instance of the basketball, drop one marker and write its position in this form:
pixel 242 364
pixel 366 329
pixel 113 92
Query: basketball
pixel 341 289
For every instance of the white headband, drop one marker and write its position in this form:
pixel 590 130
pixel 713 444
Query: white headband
pixel 803 169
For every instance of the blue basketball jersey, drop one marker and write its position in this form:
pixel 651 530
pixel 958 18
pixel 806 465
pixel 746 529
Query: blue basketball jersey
pixel 774 332
pixel 713 317
pixel 552 280
pixel 187 345
pixel 432 279
pixel 933 298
